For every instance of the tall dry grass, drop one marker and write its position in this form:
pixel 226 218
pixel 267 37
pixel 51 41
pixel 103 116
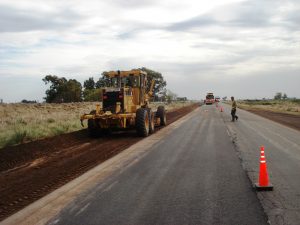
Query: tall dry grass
pixel 21 123
pixel 290 106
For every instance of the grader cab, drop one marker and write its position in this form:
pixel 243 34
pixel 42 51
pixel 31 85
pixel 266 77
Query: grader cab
pixel 125 104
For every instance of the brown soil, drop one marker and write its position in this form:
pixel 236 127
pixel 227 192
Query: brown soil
pixel 32 170
pixel 289 120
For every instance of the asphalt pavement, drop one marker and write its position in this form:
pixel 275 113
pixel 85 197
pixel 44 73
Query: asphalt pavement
pixel 194 175
pixel 282 150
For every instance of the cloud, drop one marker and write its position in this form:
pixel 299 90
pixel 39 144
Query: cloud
pixel 247 14
pixel 199 21
pixel 14 19
pixel 134 28
pixel 251 13
pixel 292 19
pixel 242 15
pixel 133 3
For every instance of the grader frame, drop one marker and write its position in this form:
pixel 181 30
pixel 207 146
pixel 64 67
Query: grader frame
pixel 125 104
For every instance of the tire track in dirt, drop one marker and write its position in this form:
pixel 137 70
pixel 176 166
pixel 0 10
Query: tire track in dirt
pixel 32 170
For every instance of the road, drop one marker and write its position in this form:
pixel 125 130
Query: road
pixel 193 176
pixel 282 149
pixel 199 170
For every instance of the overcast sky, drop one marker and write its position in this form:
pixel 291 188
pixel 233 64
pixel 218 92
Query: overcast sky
pixel 249 49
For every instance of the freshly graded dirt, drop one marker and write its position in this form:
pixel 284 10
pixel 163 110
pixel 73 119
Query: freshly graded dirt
pixel 32 170
pixel 289 120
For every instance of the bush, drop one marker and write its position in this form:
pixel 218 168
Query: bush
pixel 295 100
pixel 267 103
pixel 57 130
pixel 18 136
pixel 21 121
pixel 28 101
pixel 50 120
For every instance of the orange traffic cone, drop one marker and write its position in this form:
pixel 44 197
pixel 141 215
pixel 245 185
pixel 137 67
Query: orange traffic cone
pixel 263 181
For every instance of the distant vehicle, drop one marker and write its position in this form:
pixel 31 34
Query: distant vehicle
pixel 210 99
pixel 217 99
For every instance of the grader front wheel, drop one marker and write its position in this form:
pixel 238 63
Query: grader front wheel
pixel 142 122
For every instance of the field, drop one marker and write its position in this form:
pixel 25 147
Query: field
pixel 21 123
pixel 290 106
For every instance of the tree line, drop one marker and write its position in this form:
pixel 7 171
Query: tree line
pixel 63 90
pixel 279 96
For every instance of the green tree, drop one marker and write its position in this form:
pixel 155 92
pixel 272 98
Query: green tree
pixel 72 91
pixel 89 83
pixel 90 93
pixel 62 90
pixel 278 96
pixel 171 96
pixel 161 96
pixel 93 95
pixel 53 94
pixel 103 81
pixel 160 83
pixel 284 96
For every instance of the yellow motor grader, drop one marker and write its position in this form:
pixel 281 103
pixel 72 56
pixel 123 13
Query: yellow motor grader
pixel 125 104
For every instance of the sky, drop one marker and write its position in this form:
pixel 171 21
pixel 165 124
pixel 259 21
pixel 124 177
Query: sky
pixel 242 48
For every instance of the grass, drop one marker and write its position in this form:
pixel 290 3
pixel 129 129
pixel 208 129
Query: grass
pixel 290 106
pixel 21 123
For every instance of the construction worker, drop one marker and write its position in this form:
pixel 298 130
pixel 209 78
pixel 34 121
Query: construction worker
pixel 233 110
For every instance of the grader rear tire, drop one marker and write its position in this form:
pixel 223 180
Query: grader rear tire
pixel 161 114
pixel 142 122
pixel 93 129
